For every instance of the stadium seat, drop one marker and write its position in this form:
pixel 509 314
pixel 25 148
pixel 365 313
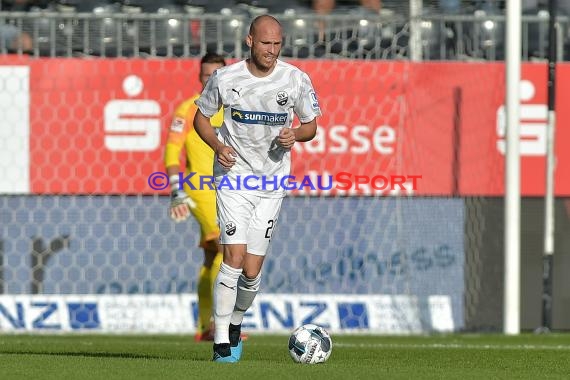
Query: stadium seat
pixel 210 6
pixel 93 35
pixel 358 32
pixel 162 36
pixel 220 34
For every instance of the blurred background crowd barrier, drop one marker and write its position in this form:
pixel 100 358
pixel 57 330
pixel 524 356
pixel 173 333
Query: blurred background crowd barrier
pixel 436 30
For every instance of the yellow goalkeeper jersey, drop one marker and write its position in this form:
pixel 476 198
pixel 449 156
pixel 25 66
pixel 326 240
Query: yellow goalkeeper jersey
pixel 199 156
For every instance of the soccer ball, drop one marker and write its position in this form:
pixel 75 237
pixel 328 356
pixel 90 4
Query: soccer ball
pixel 310 344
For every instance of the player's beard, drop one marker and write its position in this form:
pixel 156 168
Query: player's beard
pixel 264 61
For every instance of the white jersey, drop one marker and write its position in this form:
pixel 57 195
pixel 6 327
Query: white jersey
pixel 255 110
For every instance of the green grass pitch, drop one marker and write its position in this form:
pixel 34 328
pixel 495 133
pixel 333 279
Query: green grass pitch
pixel 69 357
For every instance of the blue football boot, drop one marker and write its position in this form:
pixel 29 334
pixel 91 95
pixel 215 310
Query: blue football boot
pixel 236 344
pixel 223 354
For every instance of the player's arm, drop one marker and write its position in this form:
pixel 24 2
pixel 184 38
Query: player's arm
pixel 226 154
pixel 307 109
pixel 180 203
pixel 208 104
pixel 306 132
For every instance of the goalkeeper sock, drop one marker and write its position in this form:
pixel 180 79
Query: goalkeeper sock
pixel 204 298
pixel 225 291
pixel 247 289
pixel 215 268
pixel 206 283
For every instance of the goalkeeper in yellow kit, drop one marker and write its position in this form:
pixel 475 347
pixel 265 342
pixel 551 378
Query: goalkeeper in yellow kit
pixel 201 202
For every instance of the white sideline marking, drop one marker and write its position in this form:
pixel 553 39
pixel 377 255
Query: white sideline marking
pixel 459 345
pixel 446 346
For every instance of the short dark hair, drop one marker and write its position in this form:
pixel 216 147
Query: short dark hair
pixel 213 58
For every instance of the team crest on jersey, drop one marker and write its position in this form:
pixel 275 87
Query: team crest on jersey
pixel 177 125
pixel 314 101
pixel 230 228
pixel 282 98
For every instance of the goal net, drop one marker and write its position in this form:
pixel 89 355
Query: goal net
pixel 80 221
pixel 383 233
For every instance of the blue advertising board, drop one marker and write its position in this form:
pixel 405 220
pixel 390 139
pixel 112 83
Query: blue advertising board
pixel 128 245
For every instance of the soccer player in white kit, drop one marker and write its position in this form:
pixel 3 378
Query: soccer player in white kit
pixel 260 96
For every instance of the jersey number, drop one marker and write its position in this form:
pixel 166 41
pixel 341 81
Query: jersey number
pixel 268 230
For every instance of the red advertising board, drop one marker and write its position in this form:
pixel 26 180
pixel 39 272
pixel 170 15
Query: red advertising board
pixel 99 126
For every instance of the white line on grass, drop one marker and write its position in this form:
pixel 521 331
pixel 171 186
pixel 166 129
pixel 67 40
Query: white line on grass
pixel 458 345
pixel 446 346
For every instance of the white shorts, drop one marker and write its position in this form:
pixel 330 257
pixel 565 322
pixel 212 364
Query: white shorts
pixel 245 218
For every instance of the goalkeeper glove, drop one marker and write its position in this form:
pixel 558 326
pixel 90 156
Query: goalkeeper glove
pixel 178 198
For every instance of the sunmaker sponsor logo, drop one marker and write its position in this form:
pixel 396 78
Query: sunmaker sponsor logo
pixel 265 118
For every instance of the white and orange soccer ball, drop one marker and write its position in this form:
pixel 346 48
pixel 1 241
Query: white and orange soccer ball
pixel 310 344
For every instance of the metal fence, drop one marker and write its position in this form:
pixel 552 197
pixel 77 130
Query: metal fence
pixel 442 37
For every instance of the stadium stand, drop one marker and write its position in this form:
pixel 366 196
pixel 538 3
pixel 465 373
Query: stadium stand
pixel 450 29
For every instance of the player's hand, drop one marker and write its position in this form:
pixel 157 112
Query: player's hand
pixel 180 205
pixel 286 138
pixel 226 156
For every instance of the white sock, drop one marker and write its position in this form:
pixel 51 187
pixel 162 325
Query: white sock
pixel 225 291
pixel 246 291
